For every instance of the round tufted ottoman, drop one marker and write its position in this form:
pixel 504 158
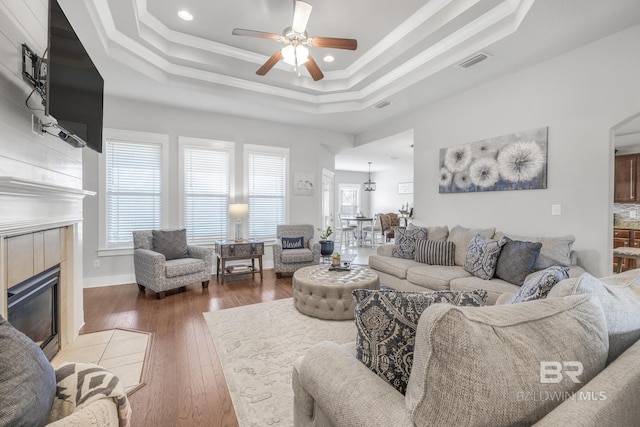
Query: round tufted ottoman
pixel 325 294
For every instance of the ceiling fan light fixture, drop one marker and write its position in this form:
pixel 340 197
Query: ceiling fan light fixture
pixel 290 54
pixel 185 15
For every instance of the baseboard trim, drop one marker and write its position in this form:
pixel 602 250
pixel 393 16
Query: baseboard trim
pixel 96 282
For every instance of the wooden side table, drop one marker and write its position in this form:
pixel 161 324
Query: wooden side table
pixel 229 250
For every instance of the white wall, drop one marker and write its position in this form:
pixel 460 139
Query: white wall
pixel 580 96
pixel 307 154
pixel 24 154
pixel 386 198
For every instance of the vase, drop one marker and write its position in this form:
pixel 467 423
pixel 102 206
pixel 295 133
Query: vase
pixel 335 262
pixel 326 247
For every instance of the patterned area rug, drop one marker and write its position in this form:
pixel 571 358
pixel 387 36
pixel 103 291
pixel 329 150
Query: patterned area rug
pixel 257 345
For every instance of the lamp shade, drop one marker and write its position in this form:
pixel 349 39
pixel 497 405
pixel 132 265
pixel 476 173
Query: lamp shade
pixel 238 210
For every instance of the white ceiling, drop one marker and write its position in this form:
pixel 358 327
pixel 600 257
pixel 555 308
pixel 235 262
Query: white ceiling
pixel 407 53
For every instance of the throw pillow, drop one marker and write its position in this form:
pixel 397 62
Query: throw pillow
pixel 554 251
pixel 27 380
pixel 405 241
pixel 482 256
pixel 386 323
pixel 481 366
pixel 539 284
pixel 435 253
pixel 621 304
pixel 171 243
pixel 517 260
pixel 461 237
pixel 292 242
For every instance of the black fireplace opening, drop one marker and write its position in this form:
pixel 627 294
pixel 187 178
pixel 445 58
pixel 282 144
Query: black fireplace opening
pixel 33 309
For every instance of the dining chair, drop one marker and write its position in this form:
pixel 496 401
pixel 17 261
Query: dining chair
pixel 347 232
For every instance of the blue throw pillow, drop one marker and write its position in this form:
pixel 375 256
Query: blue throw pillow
pixel 386 323
pixel 292 242
pixel 27 380
pixel 538 285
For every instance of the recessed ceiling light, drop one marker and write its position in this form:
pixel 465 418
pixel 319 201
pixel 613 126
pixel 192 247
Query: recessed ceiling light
pixel 185 15
pixel 329 58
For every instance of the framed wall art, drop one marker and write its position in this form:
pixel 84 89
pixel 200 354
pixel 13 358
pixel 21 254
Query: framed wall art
pixel 517 161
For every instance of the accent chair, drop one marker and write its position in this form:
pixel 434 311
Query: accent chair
pixel 163 261
pixel 289 260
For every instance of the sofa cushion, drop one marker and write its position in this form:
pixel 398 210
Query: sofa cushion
pixel 171 243
pixel 517 260
pixel 292 243
pixel 482 256
pixel 494 287
pixel 461 237
pixel 386 323
pixel 482 366
pixel 554 250
pixel 435 277
pixel 27 380
pixel 621 304
pixel 183 266
pixel 394 266
pixel 438 233
pixel 435 253
pixel 539 284
pixel 296 255
pixel 405 241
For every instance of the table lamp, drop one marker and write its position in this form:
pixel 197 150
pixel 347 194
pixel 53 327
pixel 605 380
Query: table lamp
pixel 238 211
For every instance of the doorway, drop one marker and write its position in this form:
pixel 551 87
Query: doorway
pixel 328 184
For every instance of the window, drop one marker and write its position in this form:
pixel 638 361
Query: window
pixel 206 174
pixel 266 183
pixel 134 186
pixel 349 199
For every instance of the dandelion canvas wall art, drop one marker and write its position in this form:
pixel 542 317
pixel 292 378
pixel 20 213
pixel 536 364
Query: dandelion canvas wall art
pixel 517 161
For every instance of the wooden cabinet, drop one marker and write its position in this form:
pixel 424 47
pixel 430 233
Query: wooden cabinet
pixel 626 184
pixel 625 238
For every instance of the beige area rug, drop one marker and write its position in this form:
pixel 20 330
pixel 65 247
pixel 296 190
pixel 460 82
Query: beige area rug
pixel 257 345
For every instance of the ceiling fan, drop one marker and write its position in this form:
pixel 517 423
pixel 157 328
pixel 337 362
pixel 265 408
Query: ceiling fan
pixel 296 40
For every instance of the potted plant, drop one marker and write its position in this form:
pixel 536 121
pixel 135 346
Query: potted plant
pixel 326 245
pixel 335 260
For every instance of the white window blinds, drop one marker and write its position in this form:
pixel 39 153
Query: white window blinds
pixel 133 189
pixel 206 194
pixel 266 185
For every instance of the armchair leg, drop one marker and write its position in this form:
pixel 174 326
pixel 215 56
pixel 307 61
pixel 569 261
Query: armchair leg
pixel 182 289
pixel 160 295
pixel 279 275
pixel 205 284
pixel 140 287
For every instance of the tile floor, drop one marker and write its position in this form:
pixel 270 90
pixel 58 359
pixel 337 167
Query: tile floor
pixel 120 351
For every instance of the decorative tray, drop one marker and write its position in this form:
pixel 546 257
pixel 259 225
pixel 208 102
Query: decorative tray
pixel 341 268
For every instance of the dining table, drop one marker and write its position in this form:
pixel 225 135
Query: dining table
pixel 359 223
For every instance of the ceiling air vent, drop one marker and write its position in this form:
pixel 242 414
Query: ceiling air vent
pixel 473 60
pixel 382 104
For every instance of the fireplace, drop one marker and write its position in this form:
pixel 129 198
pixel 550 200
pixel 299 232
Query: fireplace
pixel 33 309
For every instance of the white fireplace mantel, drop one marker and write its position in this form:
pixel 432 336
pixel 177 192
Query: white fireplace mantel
pixel 13 186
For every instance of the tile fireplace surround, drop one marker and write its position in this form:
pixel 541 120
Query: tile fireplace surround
pixel 30 208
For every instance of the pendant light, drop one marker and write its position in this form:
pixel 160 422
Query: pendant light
pixel 369 185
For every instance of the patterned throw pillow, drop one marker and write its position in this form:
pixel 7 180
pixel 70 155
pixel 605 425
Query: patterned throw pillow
pixel 386 322
pixel 435 253
pixel 292 242
pixel 171 243
pixel 517 260
pixel 482 256
pixel 538 285
pixel 405 241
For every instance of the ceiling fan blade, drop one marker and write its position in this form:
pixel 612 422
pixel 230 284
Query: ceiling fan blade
pixel 252 33
pixel 301 16
pixel 313 69
pixel 270 63
pixel 336 43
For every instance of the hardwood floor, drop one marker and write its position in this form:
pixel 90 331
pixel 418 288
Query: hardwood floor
pixel 185 383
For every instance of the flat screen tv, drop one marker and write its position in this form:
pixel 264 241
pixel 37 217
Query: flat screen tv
pixel 74 93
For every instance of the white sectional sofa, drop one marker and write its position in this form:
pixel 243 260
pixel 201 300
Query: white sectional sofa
pixel 410 275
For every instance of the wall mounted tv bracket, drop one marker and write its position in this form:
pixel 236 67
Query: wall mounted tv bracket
pixel 34 70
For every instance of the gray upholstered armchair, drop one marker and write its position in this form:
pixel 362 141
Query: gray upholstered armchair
pixel 163 261
pixel 289 260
